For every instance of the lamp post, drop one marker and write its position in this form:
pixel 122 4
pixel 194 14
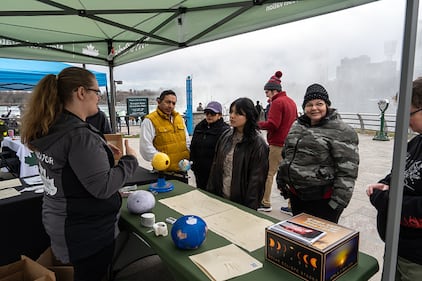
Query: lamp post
pixel 381 135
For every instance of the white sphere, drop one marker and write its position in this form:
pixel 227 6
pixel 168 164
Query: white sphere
pixel 140 202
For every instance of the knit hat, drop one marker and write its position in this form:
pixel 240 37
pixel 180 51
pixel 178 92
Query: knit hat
pixel 274 83
pixel 214 106
pixel 316 91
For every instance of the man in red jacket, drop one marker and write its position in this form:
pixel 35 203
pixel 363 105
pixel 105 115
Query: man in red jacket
pixel 281 115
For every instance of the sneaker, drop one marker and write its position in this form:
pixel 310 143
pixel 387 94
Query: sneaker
pixel 286 210
pixel 263 208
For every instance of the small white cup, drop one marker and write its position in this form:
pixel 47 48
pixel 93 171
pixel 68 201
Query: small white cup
pixel 147 219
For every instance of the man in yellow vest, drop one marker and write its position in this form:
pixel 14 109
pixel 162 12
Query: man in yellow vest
pixel 164 131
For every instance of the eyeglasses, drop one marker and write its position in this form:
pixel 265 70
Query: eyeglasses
pixel 416 111
pixel 98 92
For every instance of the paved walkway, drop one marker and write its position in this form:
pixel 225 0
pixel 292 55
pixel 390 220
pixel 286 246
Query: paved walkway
pixel 375 163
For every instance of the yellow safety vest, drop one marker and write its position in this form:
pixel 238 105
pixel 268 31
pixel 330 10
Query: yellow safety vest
pixel 170 138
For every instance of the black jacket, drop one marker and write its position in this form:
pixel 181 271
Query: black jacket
pixel 81 201
pixel 202 147
pixel 250 169
pixel 100 121
pixel 410 239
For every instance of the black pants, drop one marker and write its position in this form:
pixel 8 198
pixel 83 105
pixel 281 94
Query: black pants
pixel 317 208
pixel 95 267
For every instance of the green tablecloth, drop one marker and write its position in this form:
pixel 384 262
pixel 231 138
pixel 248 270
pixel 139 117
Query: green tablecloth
pixel 182 267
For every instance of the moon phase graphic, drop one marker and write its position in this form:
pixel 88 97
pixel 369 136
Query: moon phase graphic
pixel 305 259
pixel 313 262
pixel 272 243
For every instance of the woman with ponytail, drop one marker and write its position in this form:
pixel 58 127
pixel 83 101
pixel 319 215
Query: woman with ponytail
pixel 81 199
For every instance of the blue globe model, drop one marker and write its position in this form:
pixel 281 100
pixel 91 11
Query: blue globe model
pixel 189 232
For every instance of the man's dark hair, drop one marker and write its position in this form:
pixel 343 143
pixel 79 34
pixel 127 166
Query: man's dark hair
pixel 166 93
pixel 417 93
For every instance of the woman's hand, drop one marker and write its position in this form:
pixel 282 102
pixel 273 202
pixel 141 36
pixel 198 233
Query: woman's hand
pixel 380 186
pixel 117 153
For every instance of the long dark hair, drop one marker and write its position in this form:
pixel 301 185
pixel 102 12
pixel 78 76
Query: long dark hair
pixel 246 107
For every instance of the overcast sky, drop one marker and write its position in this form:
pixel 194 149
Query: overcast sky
pixel 240 66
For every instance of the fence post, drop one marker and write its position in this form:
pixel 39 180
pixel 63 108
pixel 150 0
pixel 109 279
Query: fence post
pixel 362 125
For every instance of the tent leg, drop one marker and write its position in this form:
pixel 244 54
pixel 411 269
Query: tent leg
pixel 400 141
pixel 112 101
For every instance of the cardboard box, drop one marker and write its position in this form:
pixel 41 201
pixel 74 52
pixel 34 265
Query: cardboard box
pixel 63 272
pixel 312 248
pixel 25 270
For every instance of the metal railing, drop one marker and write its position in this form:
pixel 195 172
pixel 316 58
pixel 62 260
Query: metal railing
pixel 364 122
pixel 369 121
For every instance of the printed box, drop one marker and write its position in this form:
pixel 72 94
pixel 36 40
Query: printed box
pixel 312 248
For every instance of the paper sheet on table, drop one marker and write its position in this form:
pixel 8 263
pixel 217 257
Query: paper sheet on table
pixel 240 227
pixel 36 180
pixel 225 263
pixel 8 192
pixel 10 183
pixel 196 203
pixel 237 226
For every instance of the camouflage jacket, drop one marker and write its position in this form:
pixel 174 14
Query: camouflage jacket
pixel 320 159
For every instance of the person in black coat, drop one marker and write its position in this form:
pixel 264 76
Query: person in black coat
pixel 203 142
pixel 240 164
pixel 100 121
pixel 409 256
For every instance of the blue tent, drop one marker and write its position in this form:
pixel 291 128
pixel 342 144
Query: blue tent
pixel 23 75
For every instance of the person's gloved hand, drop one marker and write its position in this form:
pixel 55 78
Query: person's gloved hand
pixel 185 165
pixel 284 190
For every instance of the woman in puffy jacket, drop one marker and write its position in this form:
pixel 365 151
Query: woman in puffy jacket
pixel 320 159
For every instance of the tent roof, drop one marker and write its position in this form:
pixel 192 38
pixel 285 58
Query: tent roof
pixel 16 74
pixel 86 31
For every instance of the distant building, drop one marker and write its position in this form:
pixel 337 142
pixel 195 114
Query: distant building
pixel 418 53
pixel 359 84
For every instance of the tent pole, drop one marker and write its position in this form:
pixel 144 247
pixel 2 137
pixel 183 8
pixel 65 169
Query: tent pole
pixel 112 102
pixel 400 141
pixel 108 103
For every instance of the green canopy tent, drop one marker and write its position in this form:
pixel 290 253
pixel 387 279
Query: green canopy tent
pixel 113 33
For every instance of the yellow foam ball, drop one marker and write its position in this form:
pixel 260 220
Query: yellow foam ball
pixel 160 161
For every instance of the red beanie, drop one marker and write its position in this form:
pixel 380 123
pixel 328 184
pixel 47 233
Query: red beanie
pixel 274 83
